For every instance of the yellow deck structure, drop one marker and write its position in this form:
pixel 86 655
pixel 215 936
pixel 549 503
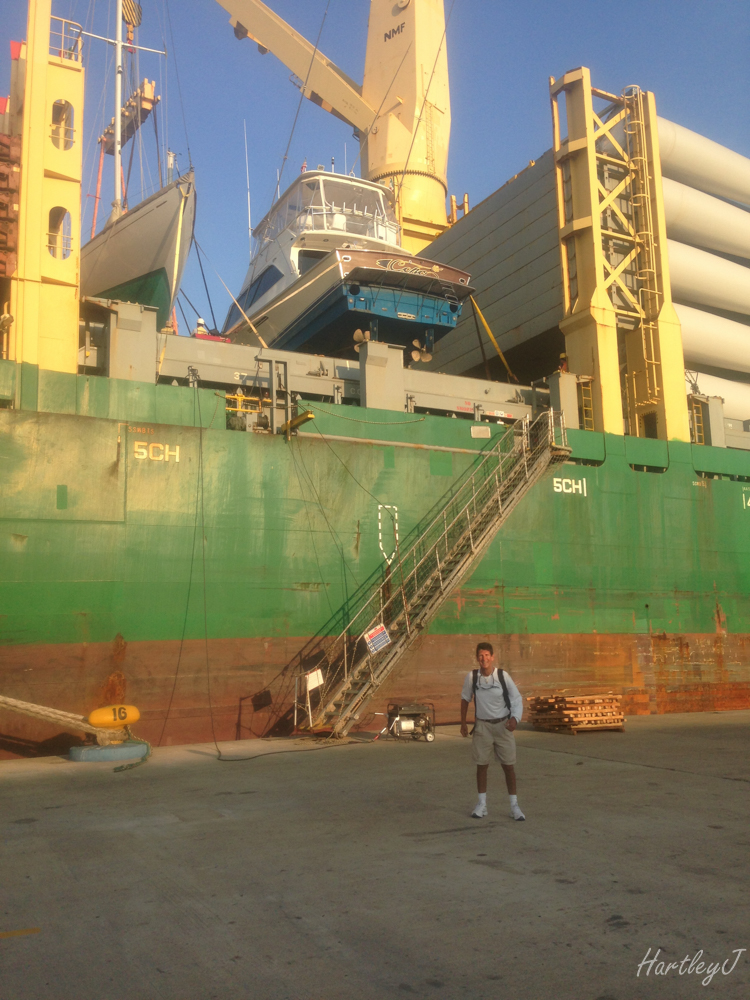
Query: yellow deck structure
pixel 47 109
pixel 622 333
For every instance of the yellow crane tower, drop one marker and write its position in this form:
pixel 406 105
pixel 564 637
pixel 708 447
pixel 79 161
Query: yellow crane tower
pixel 401 112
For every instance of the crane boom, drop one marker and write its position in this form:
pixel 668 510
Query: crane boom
pixel 327 85
pixel 401 113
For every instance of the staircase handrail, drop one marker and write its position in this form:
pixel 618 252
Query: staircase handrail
pixel 386 600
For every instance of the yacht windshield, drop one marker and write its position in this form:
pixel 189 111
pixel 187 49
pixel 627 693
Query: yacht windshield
pixel 335 203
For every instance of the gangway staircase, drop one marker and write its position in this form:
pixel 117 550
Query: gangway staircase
pixel 435 558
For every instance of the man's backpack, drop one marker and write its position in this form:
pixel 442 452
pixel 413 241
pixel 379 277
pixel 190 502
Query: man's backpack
pixel 500 676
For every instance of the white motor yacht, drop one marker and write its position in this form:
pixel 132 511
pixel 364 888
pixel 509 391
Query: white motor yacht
pixel 328 263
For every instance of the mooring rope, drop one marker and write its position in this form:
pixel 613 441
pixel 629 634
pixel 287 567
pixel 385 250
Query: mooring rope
pixel 104 737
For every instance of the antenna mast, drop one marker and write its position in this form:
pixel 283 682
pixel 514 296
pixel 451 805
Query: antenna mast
pixel 247 175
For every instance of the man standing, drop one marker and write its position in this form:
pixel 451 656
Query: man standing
pixel 498 708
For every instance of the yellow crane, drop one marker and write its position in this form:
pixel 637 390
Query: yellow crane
pixel 401 111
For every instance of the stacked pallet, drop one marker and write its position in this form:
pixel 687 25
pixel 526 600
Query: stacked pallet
pixel 562 714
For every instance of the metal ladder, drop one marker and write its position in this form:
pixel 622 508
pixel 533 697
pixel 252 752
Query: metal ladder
pixel 586 403
pixel 696 411
pixel 438 554
pixel 646 382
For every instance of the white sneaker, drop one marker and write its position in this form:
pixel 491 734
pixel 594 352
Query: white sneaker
pixel 479 811
pixel 515 812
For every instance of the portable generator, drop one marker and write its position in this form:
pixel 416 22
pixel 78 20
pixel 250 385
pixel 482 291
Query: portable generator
pixel 412 720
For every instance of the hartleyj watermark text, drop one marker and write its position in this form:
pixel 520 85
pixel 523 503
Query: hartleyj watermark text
pixel 689 966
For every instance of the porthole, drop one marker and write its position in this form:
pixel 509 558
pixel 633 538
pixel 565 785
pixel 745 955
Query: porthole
pixel 62 125
pixel 59 233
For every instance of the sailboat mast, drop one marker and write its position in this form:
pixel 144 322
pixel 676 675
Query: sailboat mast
pixel 117 204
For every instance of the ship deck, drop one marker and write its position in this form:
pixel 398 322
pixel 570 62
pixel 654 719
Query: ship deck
pixel 356 872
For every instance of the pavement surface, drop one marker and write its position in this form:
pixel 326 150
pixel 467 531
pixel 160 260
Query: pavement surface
pixel 352 871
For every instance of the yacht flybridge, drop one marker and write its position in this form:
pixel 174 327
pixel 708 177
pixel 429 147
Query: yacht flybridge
pixel 328 265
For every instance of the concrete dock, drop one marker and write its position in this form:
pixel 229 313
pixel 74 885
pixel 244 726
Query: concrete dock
pixel 352 871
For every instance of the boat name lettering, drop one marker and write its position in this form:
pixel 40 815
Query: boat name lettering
pixel 156 452
pixel 408 267
pixel 570 486
pixel 394 31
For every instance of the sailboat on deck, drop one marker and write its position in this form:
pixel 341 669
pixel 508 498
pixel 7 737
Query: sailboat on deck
pixel 140 254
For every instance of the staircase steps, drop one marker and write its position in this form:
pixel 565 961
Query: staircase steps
pixel 436 557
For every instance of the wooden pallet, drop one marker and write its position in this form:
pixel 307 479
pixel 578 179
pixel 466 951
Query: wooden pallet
pixel 560 713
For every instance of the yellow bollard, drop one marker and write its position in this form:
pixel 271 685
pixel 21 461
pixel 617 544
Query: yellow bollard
pixel 114 717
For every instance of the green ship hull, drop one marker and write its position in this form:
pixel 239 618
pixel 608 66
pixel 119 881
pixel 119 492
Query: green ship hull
pixel 154 556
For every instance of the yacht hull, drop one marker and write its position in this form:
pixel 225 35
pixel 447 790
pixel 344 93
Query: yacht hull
pixel 397 297
pixel 140 257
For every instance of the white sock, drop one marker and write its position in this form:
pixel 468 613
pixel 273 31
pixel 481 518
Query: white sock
pixel 480 809
pixel 515 809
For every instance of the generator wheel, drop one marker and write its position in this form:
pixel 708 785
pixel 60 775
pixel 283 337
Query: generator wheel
pixel 430 737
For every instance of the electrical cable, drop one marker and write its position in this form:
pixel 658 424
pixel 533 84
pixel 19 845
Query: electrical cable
pixel 179 85
pixel 158 148
pixel 99 115
pixel 328 743
pixel 179 306
pixel 199 486
pixel 203 549
pixel 334 534
pixel 349 471
pixel 424 101
pixel 370 423
pixel 205 285
pixel 312 535
pixel 301 98
pixel 183 294
pixel 185 621
pixel 331 741
pixel 244 314
pixel 377 113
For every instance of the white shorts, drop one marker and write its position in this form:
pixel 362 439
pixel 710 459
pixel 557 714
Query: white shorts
pixel 489 735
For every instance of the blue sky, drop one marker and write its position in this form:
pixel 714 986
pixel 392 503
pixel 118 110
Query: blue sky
pixel 692 53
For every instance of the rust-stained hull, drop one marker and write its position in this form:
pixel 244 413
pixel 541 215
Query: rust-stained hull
pixel 606 577
pixel 654 673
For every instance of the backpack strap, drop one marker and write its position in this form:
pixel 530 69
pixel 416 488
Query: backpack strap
pixel 500 677
pixel 506 696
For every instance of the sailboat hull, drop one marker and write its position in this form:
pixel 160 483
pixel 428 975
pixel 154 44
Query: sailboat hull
pixel 140 257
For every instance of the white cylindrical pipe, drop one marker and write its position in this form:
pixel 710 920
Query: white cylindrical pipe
pixel 701 163
pixel 736 395
pixel 707 280
pixel 713 340
pixel 704 221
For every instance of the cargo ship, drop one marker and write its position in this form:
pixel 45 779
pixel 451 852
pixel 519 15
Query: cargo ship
pixel 195 530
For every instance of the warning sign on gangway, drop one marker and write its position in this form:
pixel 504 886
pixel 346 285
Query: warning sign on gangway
pixel 377 638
